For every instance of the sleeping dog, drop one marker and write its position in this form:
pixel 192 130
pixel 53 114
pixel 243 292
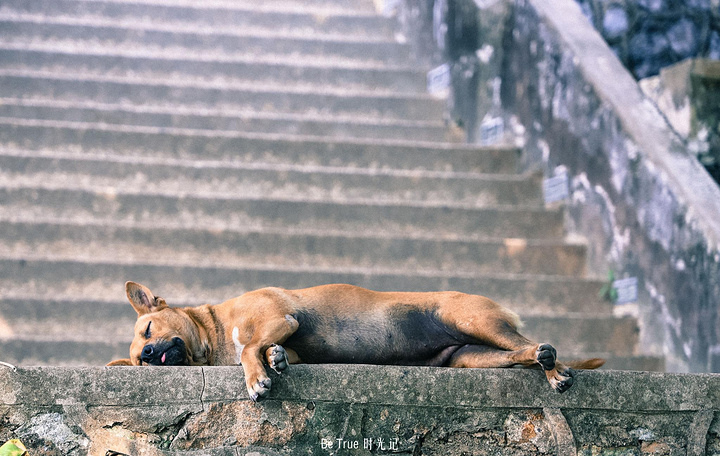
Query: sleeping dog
pixel 337 324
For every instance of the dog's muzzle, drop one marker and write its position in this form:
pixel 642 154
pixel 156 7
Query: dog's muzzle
pixel 165 353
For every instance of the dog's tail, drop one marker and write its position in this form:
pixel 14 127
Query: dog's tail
pixel 592 363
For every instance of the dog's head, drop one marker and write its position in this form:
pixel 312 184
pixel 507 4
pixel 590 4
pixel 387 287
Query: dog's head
pixel 163 336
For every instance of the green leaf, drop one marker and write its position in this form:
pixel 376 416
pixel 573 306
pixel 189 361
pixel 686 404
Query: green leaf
pixel 608 292
pixel 13 447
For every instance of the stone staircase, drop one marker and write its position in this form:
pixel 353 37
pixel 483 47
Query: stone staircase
pixel 207 148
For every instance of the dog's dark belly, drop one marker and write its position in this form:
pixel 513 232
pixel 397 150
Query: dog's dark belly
pixel 404 336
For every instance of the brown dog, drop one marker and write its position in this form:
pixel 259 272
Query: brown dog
pixel 337 324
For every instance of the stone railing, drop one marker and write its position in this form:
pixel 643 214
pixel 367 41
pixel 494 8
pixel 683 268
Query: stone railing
pixel 647 207
pixel 346 409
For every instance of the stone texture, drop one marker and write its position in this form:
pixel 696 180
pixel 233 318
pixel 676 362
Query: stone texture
pixel 351 409
pixel 615 22
pixel 687 94
pixel 648 35
pixel 648 209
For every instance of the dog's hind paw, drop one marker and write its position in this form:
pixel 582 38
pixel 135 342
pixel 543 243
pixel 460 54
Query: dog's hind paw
pixel 277 358
pixel 562 379
pixel 259 389
pixel 546 356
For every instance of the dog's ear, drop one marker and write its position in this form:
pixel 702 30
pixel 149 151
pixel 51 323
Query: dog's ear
pixel 120 362
pixel 142 299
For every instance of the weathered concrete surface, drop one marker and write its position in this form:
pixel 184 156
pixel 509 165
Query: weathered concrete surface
pixel 688 94
pixel 419 411
pixel 468 36
pixel 646 206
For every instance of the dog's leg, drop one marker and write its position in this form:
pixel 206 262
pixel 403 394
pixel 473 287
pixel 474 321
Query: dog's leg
pixel 483 356
pixel 560 377
pixel 528 353
pixel 493 326
pixel 273 331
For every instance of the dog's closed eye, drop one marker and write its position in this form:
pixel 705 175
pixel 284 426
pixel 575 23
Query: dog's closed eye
pixel 147 331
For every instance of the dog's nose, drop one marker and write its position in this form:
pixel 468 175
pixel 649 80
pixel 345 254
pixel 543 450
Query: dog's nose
pixel 147 353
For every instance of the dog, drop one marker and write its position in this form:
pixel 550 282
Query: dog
pixel 337 324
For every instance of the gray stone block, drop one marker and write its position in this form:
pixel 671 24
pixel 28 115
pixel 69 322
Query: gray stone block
pixel 161 410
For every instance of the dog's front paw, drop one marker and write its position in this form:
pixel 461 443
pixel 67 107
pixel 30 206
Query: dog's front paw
pixel 546 356
pixel 561 379
pixel 259 389
pixel 277 358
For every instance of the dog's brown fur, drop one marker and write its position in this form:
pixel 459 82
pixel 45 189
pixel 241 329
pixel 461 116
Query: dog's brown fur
pixel 337 324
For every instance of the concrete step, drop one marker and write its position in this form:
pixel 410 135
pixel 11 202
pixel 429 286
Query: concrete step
pixel 97 323
pixel 458 411
pixel 81 139
pixel 73 33
pixel 258 122
pixel 366 6
pixel 249 96
pixel 645 363
pixel 114 321
pixel 98 279
pixel 224 15
pixel 200 67
pixel 573 334
pixel 258 180
pixel 28 351
pixel 288 248
pixel 82 201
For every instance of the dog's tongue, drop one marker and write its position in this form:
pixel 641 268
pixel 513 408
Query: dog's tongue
pixel 162 359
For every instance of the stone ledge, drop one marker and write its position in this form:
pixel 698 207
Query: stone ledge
pixel 194 410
